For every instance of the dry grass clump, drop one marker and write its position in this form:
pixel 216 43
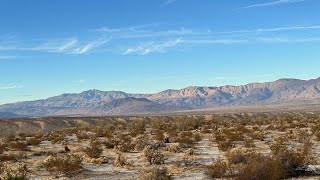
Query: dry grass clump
pixel 249 143
pixel 121 160
pixel 153 156
pixel 240 156
pixel 172 148
pixel 124 143
pixel 225 145
pixel 18 172
pixel 63 165
pixel 33 141
pixel 18 146
pixel 94 150
pixel 82 135
pixel 155 173
pixel 186 139
pixel 217 170
pixel 260 167
pixel 2 147
pixel 11 157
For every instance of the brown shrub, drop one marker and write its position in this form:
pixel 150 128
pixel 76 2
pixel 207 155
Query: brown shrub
pixel 63 165
pixel 94 150
pixel 225 145
pixel 156 173
pixel 217 170
pixel 121 160
pixel 19 172
pixel 33 142
pixel 260 167
pixel 18 146
pixel 153 156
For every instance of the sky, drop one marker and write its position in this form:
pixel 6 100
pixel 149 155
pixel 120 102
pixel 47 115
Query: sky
pixel 49 48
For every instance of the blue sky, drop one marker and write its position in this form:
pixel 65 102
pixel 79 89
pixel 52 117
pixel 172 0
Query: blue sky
pixel 141 46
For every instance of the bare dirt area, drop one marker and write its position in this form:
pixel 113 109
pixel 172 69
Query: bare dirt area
pixel 260 145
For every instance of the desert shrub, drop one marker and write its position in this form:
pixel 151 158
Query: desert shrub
pixel 225 145
pixel 121 160
pixel 240 156
pixel 217 170
pixel 249 143
pixel 140 142
pixel 63 165
pixel 18 146
pixel 2 147
pixel 318 136
pixel 19 172
pixel 260 167
pixel 137 127
pixel 172 148
pixel 219 137
pixel 82 136
pixel 185 139
pixel 153 156
pixel 33 141
pixel 155 173
pixel 11 157
pixel 292 161
pixel 197 137
pixel 125 144
pixel 110 143
pixel 94 150
pixel 159 135
pixel 102 132
pixel 55 137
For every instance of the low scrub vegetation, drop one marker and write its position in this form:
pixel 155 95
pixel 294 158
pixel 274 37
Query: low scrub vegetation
pixel 251 146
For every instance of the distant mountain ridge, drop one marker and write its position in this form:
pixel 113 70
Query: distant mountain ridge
pixel 95 102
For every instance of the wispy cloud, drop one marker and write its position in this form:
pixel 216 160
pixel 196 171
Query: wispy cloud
pixel 157 38
pixel 55 45
pixel 10 87
pixel 287 40
pixel 91 45
pixel 151 47
pixel 81 81
pixel 67 46
pixel 273 3
pixel 7 57
pixel 168 2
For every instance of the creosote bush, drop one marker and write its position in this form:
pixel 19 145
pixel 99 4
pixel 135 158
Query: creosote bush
pixel 63 165
pixel 155 173
pixel 18 172
pixel 94 150
pixel 121 160
pixel 217 170
pixel 153 156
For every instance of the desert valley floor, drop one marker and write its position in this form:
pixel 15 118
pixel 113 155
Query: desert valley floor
pixel 260 145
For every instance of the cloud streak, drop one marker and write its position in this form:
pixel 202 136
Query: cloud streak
pixel 7 57
pixel 150 38
pixel 10 87
pixel 273 3
pixel 168 2
pixel 152 47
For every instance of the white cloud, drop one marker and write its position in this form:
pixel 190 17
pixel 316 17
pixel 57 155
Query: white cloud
pixel 90 46
pixel 56 45
pixel 151 47
pixel 168 2
pixel 81 81
pixel 10 87
pixel 273 3
pixel 215 41
pixel 7 57
pixel 287 40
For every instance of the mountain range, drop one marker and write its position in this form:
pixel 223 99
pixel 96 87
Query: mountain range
pixel 99 103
